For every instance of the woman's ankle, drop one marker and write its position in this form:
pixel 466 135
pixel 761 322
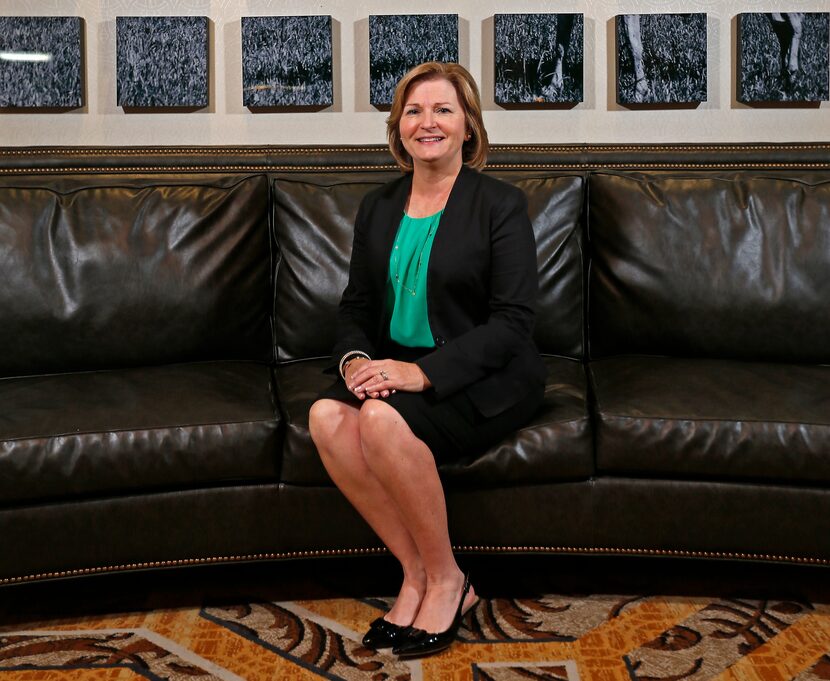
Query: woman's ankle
pixel 450 578
pixel 406 606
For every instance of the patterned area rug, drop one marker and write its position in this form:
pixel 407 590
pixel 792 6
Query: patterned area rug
pixel 561 637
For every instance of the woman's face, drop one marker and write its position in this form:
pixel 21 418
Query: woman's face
pixel 433 124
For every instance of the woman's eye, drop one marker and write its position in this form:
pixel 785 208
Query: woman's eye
pixel 443 109
pixel 410 112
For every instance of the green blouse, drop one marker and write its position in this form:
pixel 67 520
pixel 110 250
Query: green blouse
pixel 407 284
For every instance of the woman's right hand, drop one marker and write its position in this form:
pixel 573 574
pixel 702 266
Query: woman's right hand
pixel 351 371
pixel 382 377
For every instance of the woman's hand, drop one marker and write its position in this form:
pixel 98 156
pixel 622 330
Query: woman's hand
pixel 382 377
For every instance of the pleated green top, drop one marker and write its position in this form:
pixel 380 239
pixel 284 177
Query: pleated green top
pixel 407 284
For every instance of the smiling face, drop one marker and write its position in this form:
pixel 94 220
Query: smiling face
pixel 433 126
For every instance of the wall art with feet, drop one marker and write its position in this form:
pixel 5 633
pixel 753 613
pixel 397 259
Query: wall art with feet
pixel 538 59
pixel 661 59
pixel 783 57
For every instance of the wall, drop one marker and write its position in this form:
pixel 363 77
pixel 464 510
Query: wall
pixel 353 121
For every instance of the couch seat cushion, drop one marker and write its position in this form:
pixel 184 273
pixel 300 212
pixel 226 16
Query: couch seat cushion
pixel 104 432
pixel 712 419
pixel 555 445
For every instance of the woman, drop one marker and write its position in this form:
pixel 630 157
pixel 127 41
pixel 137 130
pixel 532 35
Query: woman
pixel 434 345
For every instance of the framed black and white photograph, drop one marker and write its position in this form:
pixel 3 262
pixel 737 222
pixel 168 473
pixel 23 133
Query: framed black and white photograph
pixel 162 62
pixel 538 58
pixel 783 57
pixel 287 62
pixel 41 63
pixel 661 59
pixel 397 42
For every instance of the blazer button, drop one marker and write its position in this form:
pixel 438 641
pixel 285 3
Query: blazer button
pixel 440 340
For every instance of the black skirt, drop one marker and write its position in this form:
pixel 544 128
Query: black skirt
pixel 452 428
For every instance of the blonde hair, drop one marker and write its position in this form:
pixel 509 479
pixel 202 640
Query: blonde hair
pixel 474 151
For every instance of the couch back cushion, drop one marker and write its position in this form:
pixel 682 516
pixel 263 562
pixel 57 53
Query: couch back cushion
pixel 555 208
pixel 137 274
pixel 314 224
pixel 732 266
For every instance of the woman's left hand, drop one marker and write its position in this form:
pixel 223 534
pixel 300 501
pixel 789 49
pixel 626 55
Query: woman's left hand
pixel 382 377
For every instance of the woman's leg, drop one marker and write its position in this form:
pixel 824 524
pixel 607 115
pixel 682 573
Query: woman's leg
pixel 334 427
pixel 406 469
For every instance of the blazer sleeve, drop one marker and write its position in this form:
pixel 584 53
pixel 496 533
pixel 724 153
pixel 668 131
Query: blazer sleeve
pixel 513 286
pixel 357 314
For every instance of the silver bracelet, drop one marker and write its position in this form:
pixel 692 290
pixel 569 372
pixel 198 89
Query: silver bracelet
pixel 348 357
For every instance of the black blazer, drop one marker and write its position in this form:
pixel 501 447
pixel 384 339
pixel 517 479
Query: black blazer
pixel 481 289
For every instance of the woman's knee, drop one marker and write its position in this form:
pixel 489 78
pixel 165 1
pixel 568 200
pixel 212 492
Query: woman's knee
pixel 324 418
pixel 379 426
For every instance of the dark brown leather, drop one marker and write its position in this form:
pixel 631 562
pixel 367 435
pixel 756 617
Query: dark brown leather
pixel 313 224
pixel 779 521
pixel 548 514
pixel 107 532
pixel 649 205
pixel 313 518
pixel 521 516
pixel 723 267
pixel 712 419
pixel 555 208
pixel 136 430
pixel 120 276
pixel 524 458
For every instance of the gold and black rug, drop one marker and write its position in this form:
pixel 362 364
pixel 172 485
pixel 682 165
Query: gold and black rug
pixel 599 636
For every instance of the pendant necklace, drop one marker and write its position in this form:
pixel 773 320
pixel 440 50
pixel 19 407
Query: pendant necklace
pixel 430 231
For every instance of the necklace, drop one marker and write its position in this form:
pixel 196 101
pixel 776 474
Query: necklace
pixel 432 226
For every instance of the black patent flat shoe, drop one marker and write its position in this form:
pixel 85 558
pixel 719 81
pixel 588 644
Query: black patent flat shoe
pixel 383 634
pixel 419 643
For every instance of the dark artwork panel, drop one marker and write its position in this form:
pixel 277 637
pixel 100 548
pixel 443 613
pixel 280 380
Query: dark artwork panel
pixel 661 58
pixel 399 42
pixel 783 57
pixel 41 62
pixel 538 58
pixel 162 62
pixel 287 61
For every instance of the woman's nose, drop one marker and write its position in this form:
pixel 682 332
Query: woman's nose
pixel 427 120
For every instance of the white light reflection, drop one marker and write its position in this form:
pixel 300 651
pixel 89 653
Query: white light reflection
pixel 25 56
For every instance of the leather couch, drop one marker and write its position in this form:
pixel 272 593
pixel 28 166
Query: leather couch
pixel 165 316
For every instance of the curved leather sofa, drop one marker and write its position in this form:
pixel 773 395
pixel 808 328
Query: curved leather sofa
pixel 165 316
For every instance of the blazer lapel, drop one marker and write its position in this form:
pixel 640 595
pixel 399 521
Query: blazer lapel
pixel 456 215
pixel 385 222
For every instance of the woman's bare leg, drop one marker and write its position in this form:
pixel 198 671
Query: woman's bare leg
pixel 406 469
pixel 334 427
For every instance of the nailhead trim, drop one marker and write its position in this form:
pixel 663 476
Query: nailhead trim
pixel 300 151
pixel 325 553
pixel 570 150
pixel 333 168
